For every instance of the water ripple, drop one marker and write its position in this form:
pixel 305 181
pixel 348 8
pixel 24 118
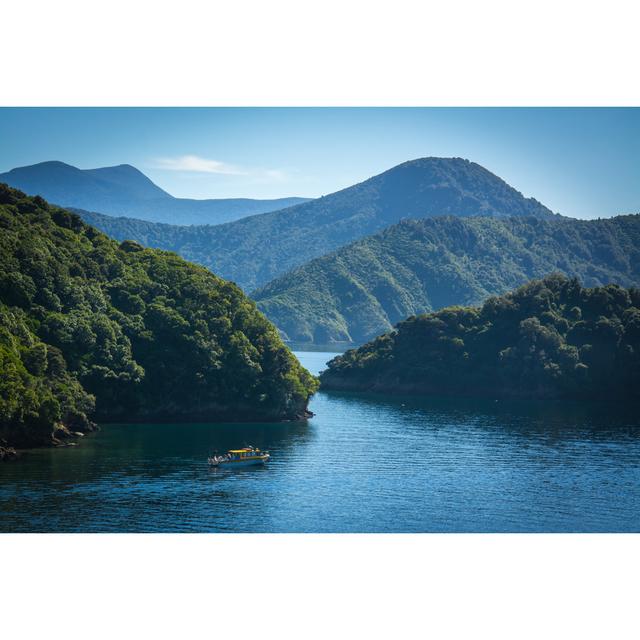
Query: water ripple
pixel 362 463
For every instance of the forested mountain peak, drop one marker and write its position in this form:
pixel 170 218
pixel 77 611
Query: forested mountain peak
pixel 439 186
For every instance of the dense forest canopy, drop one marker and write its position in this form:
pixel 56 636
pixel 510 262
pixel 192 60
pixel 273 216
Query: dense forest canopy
pixel 549 338
pixel 416 266
pixel 135 333
pixel 255 250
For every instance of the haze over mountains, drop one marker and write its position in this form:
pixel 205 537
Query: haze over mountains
pixel 256 249
pixel 426 234
pixel 417 266
pixel 123 190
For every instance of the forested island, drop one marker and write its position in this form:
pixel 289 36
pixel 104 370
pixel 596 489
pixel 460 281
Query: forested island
pixel 92 329
pixel 551 338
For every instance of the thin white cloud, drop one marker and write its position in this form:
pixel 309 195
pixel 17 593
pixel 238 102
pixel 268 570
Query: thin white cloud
pixel 196 164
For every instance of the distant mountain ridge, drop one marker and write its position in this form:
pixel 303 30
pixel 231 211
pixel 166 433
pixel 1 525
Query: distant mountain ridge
pixel 254 250
pixel 123 190
pixel 418 266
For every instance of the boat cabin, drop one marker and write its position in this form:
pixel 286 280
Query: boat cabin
pixel 241 454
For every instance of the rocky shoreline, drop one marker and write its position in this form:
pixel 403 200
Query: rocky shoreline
pixel 7 453
pixel 11 443
pixel 62 436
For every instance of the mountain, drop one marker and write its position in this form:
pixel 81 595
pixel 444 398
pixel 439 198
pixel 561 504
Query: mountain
pixel 363 289
pixel 256 249
pixel 123 190
pixel 551 338
pixel 93 328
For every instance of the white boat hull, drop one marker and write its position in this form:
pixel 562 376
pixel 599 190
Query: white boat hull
pixel 228 464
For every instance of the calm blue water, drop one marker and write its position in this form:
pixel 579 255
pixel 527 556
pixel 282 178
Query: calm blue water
pixel 362 464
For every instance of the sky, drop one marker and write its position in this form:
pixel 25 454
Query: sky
pixel 581 162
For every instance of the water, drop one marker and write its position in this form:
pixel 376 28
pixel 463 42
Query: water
pixel 362 464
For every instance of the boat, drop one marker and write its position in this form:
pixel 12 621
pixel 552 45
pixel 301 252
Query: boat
pixel 244 457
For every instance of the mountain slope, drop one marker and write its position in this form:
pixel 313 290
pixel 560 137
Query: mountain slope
pixel 254 250
pixel 363 289
pixel 124 190
pixel 140 333
pixel 67 184
pixel 550 338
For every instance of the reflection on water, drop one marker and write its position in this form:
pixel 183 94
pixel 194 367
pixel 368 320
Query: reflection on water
pixel 362 463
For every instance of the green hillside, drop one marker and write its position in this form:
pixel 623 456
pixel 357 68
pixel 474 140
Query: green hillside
pixel 362 290
pixel 549 338
pixel 137 333
pixel 255 250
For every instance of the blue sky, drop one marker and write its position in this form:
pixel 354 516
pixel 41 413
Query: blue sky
pixel 579 162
